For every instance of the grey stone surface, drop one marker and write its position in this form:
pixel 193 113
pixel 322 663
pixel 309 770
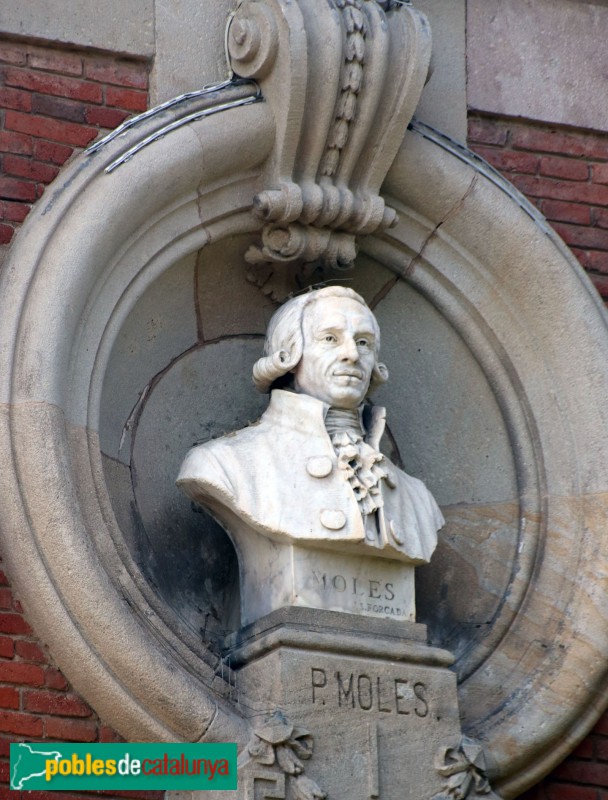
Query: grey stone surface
pixel 449 430
pixel 539 60
pixel 189 38
pixel 500 279
pixel 228 303
pixel 463 594
pixel 159 328
pixel 370 279
pixel 110 267
pixel 204 394
pixel 316 619
pixel 443 415
pixel 333 632
pixel 375 725
pixel 121 26
pixel 444 100
pixel 120 488
pixel 532 403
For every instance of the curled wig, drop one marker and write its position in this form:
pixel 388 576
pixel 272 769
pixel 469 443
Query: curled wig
pixel 285 340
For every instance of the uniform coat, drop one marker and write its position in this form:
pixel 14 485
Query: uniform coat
pixel 281 477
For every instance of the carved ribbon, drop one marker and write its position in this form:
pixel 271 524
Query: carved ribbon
pixel 464 769
pixel 285 745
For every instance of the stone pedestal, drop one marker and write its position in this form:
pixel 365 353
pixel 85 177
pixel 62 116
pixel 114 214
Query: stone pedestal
pixel 363 705
pixel 321 579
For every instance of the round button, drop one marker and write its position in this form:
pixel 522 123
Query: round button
pixel 319 466
pixel 394 532
pixel 333 520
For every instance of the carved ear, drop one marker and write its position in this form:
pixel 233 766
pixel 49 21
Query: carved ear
pixel 382 371
pixel 294 361
pixel 289 359
pixel 295 346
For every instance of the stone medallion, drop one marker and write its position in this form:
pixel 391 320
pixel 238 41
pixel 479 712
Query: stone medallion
pixel 126 304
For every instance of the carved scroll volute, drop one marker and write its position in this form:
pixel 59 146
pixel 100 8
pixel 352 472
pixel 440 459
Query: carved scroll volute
pixel 342 78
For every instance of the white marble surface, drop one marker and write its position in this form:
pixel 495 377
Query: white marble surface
pixel 371 587
pixel 276 575
pixel 305 494
pixel 295 477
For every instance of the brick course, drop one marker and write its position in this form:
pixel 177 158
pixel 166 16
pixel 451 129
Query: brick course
pixel 563 172
pixel 583 775
pixel 37 703
pixel 54 103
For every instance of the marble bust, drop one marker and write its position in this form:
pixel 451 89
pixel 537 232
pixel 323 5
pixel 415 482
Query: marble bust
pixel 309 472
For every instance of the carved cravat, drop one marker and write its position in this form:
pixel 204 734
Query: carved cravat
pixel 360 462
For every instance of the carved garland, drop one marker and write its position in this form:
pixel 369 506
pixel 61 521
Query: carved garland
pixel 352 79
pixel 285 745
pixel 464 769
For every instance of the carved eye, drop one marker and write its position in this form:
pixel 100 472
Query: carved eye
pixel 362 343
pixel 330 338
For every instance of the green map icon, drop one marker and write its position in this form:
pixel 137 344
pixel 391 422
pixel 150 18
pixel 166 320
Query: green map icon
pixel 29 762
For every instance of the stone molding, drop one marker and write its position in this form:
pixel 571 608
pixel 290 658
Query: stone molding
pixel 470 244
pixel 362 69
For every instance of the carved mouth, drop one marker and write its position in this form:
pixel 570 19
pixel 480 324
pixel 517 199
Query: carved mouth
pixel 348 373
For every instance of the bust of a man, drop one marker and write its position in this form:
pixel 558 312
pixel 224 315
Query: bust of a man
pixel 310 472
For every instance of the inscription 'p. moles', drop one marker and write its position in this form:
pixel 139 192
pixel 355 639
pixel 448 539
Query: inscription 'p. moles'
pixel 360 691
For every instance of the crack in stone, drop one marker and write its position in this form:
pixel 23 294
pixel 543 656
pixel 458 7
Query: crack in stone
pixel 451 213
pixel 379 296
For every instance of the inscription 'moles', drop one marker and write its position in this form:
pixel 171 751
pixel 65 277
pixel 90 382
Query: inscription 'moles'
pixel 358 690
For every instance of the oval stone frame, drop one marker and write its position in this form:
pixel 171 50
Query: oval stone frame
pixel 473 247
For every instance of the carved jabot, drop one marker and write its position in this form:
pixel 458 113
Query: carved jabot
pixel 342 78
pixel 360 463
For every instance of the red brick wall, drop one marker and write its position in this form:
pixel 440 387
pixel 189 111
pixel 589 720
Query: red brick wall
pixel 52 104
pixel 37 703
pixel 581 776
pixel 564 172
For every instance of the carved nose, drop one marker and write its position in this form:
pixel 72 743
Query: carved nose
pixel 349 350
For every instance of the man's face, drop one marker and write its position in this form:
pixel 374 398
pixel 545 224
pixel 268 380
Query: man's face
pixel 339 352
